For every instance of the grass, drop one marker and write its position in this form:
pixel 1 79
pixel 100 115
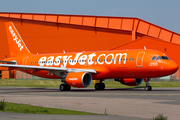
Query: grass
pixel 23 108
pixel 30 83
pixel 56 83
pixel 2 104
pixel 160 117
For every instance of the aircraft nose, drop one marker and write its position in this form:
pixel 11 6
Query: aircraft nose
pixel 173 67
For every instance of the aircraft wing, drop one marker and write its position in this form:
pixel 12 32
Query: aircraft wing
pixel 8 62
pixel 47 68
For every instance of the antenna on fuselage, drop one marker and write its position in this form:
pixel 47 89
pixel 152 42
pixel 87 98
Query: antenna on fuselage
pixel 145 47
pixel 64 51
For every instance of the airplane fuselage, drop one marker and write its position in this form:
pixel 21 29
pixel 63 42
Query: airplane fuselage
pixel 114 64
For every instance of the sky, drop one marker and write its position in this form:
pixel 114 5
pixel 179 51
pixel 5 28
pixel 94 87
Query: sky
pixel 164 13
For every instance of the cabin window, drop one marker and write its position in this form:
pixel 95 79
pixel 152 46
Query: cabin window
pixel 129 59
pixel 154 58
pixel 158 58
pixel 165 57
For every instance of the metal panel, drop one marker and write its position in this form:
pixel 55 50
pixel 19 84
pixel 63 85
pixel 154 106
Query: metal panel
pixel 4 15
pixel 127 24
pixel 176 39
pixel 39 17
pixel 89 21
pixel 154 31
pixel 63 19
pixel 102 22
pixel 15 15
pixel 165 35
pixel 27 16
pixel 51 18
pixel 143 27
pixel 76 20
pixel 115 23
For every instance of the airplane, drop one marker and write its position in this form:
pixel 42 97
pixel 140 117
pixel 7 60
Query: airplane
pixel 78 69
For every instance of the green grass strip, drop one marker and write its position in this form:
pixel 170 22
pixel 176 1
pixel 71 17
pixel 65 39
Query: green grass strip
pixel 56 83
pixel 23 108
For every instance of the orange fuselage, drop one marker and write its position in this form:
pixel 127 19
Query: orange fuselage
pixel 108 64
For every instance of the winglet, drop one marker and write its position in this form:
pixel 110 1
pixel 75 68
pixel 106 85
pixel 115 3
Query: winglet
pixel 16 43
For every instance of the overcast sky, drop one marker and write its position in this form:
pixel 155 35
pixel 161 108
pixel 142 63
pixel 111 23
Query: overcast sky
pixel 164 13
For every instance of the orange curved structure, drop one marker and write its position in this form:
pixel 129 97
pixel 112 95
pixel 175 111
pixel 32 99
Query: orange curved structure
pixel 47 33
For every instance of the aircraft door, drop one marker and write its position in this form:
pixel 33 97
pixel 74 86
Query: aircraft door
pixel 24 60
pixel 139 60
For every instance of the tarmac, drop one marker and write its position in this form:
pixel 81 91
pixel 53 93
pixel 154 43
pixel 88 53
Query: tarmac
pixel 125 103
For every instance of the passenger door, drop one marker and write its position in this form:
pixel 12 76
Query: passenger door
pixel 139 60
pixel 25 60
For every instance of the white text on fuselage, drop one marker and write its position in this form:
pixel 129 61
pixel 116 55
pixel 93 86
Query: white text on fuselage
pixel 83 59
pixel 16 39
